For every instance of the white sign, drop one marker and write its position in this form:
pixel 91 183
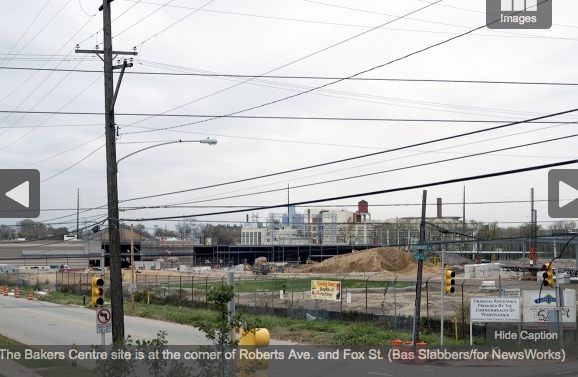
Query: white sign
pixel 348 297
pixel 133 288
pixel 281 294
pixel 103 321
pixel 537 304
pixel 492 309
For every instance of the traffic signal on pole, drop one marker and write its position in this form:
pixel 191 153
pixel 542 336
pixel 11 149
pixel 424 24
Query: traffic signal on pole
pixel 251 359
pixel 97 291
pixel 548 275
pixel 449 281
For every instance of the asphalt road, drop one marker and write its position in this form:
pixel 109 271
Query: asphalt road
pixel 42 323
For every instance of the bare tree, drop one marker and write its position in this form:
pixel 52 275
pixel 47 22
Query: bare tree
pixel 188 230
pixel 562 226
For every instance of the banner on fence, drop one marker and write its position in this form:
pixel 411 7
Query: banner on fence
pixel 326 290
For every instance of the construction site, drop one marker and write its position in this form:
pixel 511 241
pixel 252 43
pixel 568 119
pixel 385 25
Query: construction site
pixel 376 285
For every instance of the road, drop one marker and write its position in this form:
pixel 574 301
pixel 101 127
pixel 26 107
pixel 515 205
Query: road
pixel 43 323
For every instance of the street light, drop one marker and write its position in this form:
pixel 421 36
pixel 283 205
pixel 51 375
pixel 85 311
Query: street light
pixel 211 142
pixel 116 294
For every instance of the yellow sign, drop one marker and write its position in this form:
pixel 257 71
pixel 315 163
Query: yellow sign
pixel 326 290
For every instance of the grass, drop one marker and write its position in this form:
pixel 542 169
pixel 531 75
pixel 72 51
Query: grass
pixel 46 368
pixel 259 283
pixel 281 328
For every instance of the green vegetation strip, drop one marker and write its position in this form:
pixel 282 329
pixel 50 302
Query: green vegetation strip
pixel 296 285
pixel 282 328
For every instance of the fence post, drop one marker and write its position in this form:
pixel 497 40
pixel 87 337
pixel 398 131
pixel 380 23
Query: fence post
pixel 463 315
pixel 273 297
pixel 206 292
pixel 366 313
pixel 255 301
pixel 193 290
pixel 181 287
pixel 146 282
pixel 169 284
pixel 427 304
pixel 292 290
pixel 341 303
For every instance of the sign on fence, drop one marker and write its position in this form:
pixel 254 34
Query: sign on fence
pixel 491 309
pixel 538 303
pixel 326 290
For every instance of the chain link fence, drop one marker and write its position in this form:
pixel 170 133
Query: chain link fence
pixel 369 299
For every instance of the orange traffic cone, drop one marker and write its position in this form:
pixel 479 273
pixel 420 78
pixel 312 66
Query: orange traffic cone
pixel 30 295
pixel 16 293
pixel 6 290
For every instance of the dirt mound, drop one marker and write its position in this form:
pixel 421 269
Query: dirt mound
pixel 373 260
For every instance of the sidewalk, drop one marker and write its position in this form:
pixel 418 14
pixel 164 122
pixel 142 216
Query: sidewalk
pixel 10 368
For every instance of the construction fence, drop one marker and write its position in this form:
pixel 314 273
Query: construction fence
pixel 389 304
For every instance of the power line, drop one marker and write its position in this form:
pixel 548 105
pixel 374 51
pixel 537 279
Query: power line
pixel 376 173
pixel 359 157
pixel 510 34
pixel 280 117
pixel 450 81
pixel 280 67
pixel 321 86
pixel 377 192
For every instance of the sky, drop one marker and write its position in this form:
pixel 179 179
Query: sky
pixel 349 79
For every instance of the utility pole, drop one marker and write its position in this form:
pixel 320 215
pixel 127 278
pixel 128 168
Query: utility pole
pixel 419 273
pixel 116 301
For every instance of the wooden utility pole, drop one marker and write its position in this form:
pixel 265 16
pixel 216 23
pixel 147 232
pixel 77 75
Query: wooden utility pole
pixel 422 241
pixel 114 252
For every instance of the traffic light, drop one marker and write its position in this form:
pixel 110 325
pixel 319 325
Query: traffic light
pixel 449 281
pixel 251 359
pixel 548 275
pixel 97 291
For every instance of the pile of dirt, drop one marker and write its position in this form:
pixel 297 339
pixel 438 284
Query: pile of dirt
pixel 380 259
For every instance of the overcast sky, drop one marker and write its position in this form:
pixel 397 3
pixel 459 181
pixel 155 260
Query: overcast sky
pixel 312 40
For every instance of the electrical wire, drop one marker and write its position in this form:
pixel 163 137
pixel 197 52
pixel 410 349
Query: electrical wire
pixel 275 69
pixel 375 173
pixel 231 75
pixel 25 31
pixel 73 165
pixel 280 117
pixel 315 88
pixel 503 33
pixel 455 136
pixel 173 24
pixel 376 192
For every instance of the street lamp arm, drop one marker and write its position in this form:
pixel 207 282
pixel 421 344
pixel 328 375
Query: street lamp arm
pixel 203 141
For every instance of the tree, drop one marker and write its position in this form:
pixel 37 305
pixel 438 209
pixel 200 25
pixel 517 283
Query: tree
pixel 562 226
pixel 58 233
pixel 6 232
pixel 188 230
pixel 163 233
pixel 217 236
pixel 31 230
pixel 141 228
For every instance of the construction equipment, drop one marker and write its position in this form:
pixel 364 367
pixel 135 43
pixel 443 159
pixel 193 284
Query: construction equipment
pixel 261 267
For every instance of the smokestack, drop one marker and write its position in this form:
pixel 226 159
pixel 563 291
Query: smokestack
pixel 439 206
